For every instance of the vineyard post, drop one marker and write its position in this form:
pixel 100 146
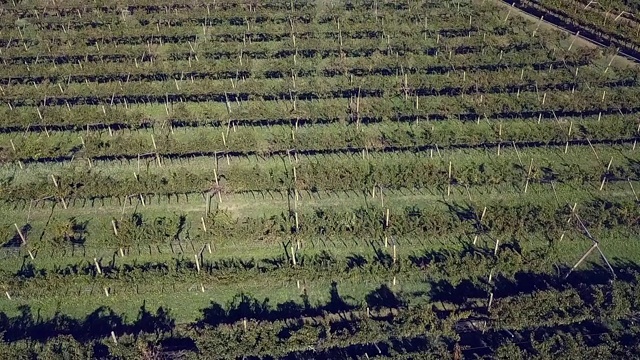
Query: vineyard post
pixel 207 205
pixel 632 189
pixel 98 268
pixel 484 211
pixel 537 27
pixel 610 62
pixel 449 185
pixel 204 226
pixel 24 241
pixel 197 263
pixel 153 140
pixel 604 178
pixel 574 40
pixel 215 175
pixel 8 296
pixel 293 255
pixel 555 193
pixel 593 149
pixel 566 147
pixel 573 210
pixel 113 337
pixel 526 185
pixel 499 137
pixel 394 253
pixel 386 221
pixel 517 153
pixel 595 245
pixel 495 250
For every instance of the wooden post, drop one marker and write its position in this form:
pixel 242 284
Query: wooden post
pixel 24 241
pixel 106 291
pixel 490 301
pixel 8 296
pixel 394 253
pixel 197 263
pixel 595 244
pixel 526 185
pixel 293 255
pixel 209 247
pixel 574 40
pixel 113 337
pixel 632 189
pixel 115 229
pixel 204 227
pixel 495 250
pixel 449 185
pixel 573 209
pixel 593 149
pixel 95 261
pixel 386 221
pixel 207 205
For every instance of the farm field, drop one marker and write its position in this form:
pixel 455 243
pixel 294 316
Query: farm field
pixel 188 179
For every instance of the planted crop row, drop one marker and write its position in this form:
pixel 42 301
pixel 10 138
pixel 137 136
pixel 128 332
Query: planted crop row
pixel 325 225
pixel 358 65
pixel 454 268
pixel 121 67
pixel 303 27
pixel 322 111
pixel 213 335
pixel 374 78
pixel 315 173
pixel 160 51
pixel 328 138
pixel 314 88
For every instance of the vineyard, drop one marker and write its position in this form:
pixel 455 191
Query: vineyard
pixel 390 179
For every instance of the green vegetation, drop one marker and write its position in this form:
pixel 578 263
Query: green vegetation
pixel 297 180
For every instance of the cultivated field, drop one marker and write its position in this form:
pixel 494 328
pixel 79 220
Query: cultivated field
pixel 315 179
